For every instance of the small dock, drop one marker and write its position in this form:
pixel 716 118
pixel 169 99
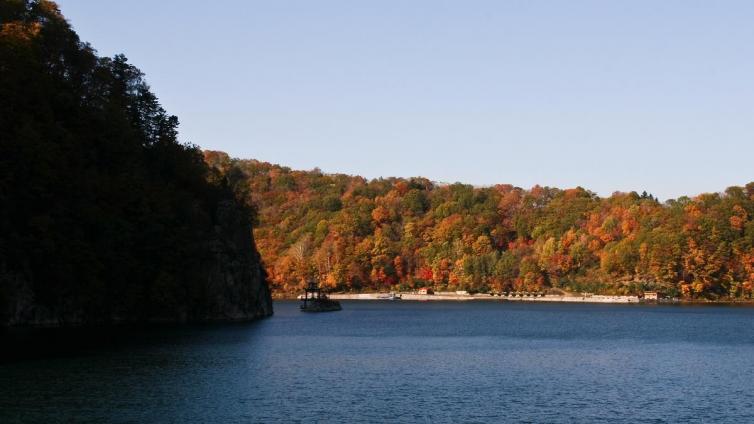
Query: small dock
pixel 316 300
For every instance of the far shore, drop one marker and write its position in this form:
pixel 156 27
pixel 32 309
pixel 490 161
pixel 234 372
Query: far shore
pixel 549 298
pixel 450 296
pixel 462 297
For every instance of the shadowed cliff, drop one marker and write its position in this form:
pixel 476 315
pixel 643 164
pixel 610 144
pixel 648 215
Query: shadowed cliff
pixel 104 216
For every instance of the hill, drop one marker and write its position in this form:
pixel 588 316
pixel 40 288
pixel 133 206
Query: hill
pixel 398 233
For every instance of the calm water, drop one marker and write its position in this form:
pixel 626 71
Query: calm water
pixel 405 362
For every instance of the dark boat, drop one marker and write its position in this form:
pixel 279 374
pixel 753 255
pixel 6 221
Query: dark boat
pixel 316 300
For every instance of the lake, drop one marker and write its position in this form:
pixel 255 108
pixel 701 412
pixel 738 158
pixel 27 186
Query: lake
pixel 399 362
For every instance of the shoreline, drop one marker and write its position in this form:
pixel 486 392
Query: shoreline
pixel 601 299
pixel 487 297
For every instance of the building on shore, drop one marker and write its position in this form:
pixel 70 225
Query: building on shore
pixel 425 290
pixel 651 295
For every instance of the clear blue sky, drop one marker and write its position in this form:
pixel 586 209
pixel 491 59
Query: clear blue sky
pixel 630 95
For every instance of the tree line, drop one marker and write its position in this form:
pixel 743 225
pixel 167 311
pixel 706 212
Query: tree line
pixel 355 234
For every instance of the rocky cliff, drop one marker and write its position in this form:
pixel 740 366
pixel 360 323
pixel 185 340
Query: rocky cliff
pixel 105 216
pixel 236 281
pixel 232 287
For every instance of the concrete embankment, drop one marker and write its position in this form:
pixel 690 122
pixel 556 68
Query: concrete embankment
pixel 411 296
pixel 582 299
pixel 461 297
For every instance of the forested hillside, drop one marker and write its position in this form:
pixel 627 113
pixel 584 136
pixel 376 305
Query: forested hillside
pixel 104 215
pixel 396 233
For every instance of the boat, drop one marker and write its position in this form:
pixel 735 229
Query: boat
pixel 389 296
pixel 316 300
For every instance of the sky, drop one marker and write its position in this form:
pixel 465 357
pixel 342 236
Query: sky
pixel 607 95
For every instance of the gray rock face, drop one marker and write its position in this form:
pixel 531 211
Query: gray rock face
pixel 231 286
pixel 236 281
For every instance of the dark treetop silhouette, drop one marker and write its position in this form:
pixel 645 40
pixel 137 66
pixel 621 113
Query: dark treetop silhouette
pixel 104 215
